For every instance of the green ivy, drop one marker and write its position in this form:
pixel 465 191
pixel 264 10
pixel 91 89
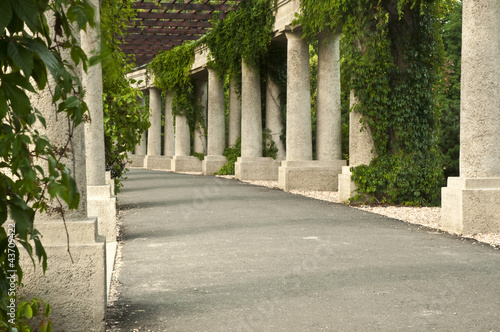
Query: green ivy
pixel 232 154
pixel 392 54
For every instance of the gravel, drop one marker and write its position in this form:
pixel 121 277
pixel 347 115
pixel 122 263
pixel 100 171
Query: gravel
pixel 425 216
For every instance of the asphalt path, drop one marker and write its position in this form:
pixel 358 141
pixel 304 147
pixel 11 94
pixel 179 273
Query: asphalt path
pixel 209 254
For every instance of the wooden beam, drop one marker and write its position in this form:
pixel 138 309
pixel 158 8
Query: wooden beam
pixel 153 23
pixel 175 16
pixel 179 31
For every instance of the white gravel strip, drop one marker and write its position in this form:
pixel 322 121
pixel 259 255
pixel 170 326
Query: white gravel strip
pixel 426 216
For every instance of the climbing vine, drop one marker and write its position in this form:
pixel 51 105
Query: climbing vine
pixel 392 55
pixel 171 73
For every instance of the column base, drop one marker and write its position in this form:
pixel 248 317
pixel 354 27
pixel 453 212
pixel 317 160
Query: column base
pixel 111 182
pixel 101 204
pixel 314 175
pixel 212 164
pixel 471 206
pixel 158 163
pixel 347 188
pixel 136 161
pixel 262 168
pixel 186 164
pixel 75 290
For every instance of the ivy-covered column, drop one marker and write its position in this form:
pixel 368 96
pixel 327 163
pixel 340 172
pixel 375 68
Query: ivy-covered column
pixel 141 148
pixel 251 165
pixel 200 137
pixel 100 200
pixel 274 123
pixel 182 160
pixel 216 125
pixel 169 130
pixel 471 202
pixel 234 130
pixel 361 150
pixel 299 171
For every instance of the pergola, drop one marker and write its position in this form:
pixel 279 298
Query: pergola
pixel 163 24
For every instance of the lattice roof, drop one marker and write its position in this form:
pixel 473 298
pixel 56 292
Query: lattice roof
pixel 163 24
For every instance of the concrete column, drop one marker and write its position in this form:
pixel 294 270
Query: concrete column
pixel 200 137
pixel 169 135
pixel 75 290
pixel 361 150
pixel 154 132
pixel 251 165
pixel 182 136
pixel 298 119
pixel 158 161
pixel 299 171
pixel 234 130
pixel 100 200
pixel 471 202
pixel 183 161
pixel 251 117
pixel 328 115
pixel 274 122
pixel 216 125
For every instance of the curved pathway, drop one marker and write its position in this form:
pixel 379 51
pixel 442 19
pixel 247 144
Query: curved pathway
pixel 210 254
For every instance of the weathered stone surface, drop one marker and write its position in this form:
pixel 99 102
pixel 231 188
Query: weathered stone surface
pixel 161 163
pixel 200 136
pixel 182 136
pixel 251 114
pixel 471 202
pixel 328 115
pixel 169 130
pixel 186 164
pixel 262 168
pixel 298 120
pixel 102 205
pixel 141 148
pixel 216 115
pixel 310 175
pixel 274 121
pixel 234 130
pixel 154 132
pixel 212 164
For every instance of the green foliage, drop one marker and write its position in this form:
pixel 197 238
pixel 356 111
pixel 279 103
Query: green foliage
pixel 449 91
pixel 124 118
pixel 31 315
pixel 244 34
pixel 392 53
pixel 31 54
pixel 269 148
pixel 171 71
pixel 232 154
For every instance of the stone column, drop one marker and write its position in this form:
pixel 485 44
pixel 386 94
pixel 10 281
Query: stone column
pixel 471 202
pixel 361 150
pixel 169 135
pixel 75 290
pixel 251 165
pixel 328 118
pixel 216 125
pixel 200 137
pixel 154 132
pixel 299 171
pixel 100 200
pixel 274 122
pixel 155 160
pixel 234 130
pixel 183 161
